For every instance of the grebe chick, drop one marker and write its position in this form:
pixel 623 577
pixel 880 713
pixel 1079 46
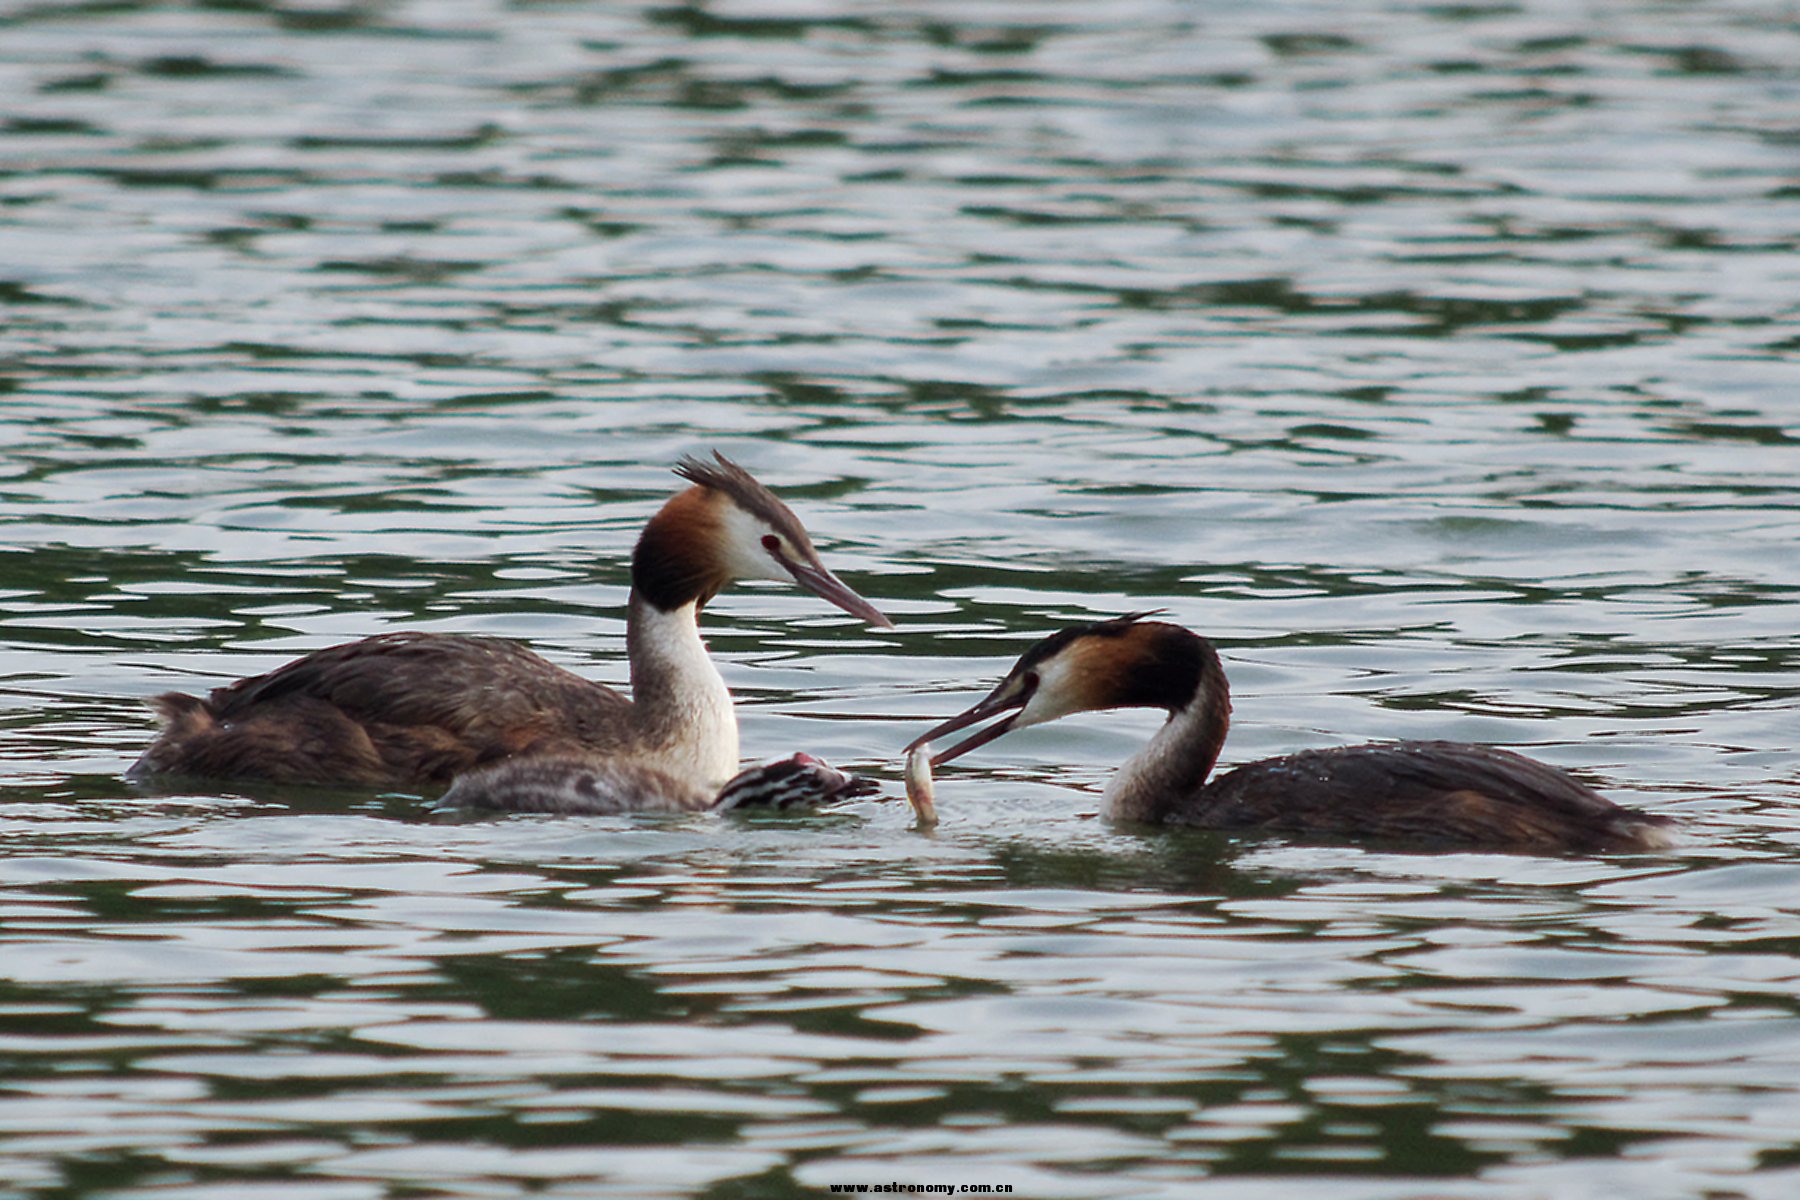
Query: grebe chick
pixel 410 709
pixel 584 785
pixel 1450 793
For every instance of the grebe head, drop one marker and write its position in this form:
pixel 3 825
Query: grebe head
pixel 1125 662
pixel 795 781
pixel 728 527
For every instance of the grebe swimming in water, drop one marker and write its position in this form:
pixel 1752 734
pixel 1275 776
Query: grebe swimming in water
pixel 420 708
pixel 1450 793
pixel 574 785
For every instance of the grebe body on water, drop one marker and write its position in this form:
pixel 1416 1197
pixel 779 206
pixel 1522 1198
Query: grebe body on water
pixel 1447 793
pixel 575 785
pixel 409 709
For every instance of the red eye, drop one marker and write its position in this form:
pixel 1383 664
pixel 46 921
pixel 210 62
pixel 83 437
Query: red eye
pixel 771 543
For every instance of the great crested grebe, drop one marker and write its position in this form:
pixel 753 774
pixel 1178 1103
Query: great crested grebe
pixel 419 708
pixel 1451 793
pixel 583 784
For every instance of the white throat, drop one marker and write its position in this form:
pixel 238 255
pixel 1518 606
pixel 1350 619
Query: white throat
pixel 681 708
pixel 1173 764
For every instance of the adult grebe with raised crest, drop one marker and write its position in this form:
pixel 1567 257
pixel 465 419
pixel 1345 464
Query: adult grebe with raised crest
pixel 413 709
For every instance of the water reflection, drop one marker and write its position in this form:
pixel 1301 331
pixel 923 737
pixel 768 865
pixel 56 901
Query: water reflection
pixel 1023 1005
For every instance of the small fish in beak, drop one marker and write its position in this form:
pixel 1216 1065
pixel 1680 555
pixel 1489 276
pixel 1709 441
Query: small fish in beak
pixel 920 792
pixel 1008 696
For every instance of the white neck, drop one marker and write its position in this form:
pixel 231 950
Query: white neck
pixel 1172 766
pixel 681 710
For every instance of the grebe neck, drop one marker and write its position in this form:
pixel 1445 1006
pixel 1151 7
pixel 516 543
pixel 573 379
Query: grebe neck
pixel 681 709
pixel 1174 764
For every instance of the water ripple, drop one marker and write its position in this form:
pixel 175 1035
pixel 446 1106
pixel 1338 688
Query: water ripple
pixel 1437 363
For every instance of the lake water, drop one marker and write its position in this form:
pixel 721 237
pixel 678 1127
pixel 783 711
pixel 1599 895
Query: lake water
pixel 1438 361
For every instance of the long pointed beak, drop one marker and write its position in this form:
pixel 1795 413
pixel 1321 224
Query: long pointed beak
pixel 828 587
pixel 989 707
